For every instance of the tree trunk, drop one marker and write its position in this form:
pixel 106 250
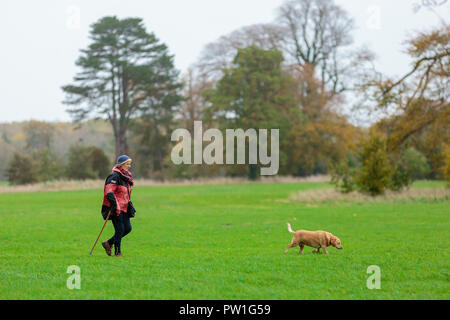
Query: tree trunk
pixel 120 137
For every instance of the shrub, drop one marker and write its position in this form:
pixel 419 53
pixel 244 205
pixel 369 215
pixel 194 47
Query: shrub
pixel 410 166
pixel 99 161
pixel 50 166
pixel 342 176
pixel 87 162
pixel 374 175
pixel 401 177
pixel 415 163
pixel 21 170
pixel 446 168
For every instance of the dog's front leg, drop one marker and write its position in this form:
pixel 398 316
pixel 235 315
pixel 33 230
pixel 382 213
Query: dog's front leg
pixel 324 249
pixel 291 245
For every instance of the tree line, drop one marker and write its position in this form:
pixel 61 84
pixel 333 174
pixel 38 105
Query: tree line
pixel 294 74
pixel 38 159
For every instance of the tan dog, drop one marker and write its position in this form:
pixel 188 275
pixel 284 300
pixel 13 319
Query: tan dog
pixel 316 239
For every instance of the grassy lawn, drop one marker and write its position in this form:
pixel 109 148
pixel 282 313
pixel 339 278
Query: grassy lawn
pixel 222 242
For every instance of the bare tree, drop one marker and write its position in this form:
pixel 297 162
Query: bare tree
pixel 194 104
pixel 431 5
pixel 319 33
pixel 219 54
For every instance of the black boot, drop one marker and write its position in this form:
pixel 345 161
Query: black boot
pixel 107 247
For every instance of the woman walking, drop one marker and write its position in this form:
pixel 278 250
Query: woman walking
pixel 116 198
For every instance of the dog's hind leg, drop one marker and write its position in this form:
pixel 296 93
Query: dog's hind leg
pixel 301 248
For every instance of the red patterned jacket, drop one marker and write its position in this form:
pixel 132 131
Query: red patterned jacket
pixel 117 192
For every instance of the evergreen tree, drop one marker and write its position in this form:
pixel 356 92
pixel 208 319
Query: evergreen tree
pixel 125 72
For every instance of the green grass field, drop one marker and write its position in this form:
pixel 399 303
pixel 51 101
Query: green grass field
pixel 222 242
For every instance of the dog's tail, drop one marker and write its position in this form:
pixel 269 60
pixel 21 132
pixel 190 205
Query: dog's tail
pixel 289 227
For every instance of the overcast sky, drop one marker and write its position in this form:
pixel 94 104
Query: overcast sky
pixel 40 40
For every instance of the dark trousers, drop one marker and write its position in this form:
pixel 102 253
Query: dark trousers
pixel 122 227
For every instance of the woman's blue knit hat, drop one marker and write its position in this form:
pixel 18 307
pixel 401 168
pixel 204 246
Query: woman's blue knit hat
pixel 122 159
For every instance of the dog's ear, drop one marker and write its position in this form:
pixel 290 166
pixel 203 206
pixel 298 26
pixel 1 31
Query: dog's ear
pixel 328 235
pixel 332 238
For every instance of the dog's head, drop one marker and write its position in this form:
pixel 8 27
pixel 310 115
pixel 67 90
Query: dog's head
pixel 335 242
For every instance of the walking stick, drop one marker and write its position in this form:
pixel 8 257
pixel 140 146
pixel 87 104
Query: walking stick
pixel 100 232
